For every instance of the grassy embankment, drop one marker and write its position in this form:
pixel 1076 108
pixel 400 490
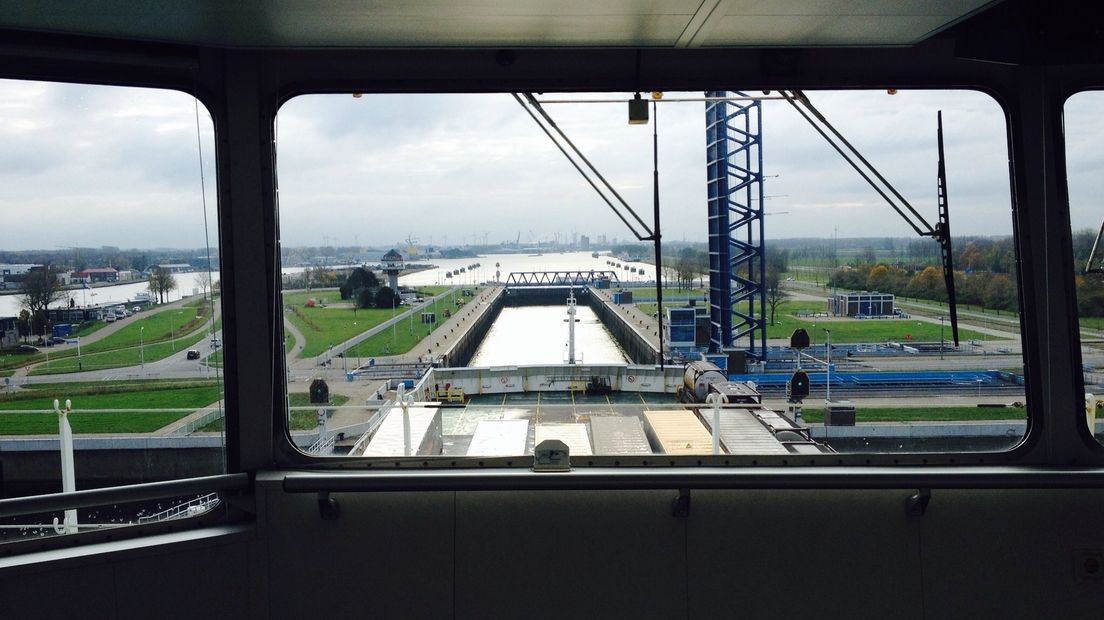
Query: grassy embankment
pixel 138 407
pixel 149 337
pixel 845 331
pixel 815 415
pixel 330 325
pixel 303 413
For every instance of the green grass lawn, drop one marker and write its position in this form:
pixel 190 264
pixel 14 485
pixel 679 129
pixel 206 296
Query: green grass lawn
pixel 11 359
pixel 392 341
pixel 299 298
pixel 923 414
pixel 850 330
pixel 117 358
pixel 869 330
pixel 323 327
pixel 1092 322
pixel 72 388
pixel 89 327
pixel 301 419
pixel 148 410
pixel 162 326
pixel 648 294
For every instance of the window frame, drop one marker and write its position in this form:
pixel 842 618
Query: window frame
pixel 1019 453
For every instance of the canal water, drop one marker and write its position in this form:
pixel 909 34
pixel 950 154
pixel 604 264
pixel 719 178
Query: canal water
pixel 538 335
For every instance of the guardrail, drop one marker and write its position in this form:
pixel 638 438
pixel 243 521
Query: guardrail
pixel 197 505
pixel 54 502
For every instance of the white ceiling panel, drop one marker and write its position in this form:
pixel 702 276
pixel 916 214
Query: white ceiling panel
pixel 495 23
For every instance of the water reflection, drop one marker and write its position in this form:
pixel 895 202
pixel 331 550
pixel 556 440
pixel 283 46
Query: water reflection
pixel 538 335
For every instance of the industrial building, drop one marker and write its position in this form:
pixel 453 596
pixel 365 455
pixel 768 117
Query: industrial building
pixel 861 304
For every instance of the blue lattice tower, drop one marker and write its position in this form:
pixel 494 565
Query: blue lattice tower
pixel 734 164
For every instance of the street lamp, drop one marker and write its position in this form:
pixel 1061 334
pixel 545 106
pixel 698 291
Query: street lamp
pixel 941 336
pixel 828 380
pixel 172 328
pixel 142 345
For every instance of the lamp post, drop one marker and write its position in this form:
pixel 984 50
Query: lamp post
pixel 142 345
pixel 172 328
pixel 828 368
pixel 941 336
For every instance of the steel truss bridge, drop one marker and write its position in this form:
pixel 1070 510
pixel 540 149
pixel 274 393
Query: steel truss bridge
pixel 561 278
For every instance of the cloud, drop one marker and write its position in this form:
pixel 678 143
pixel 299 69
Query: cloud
pixel 119 166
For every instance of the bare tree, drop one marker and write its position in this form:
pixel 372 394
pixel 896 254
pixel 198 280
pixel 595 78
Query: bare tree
pixel 161 281
pixel 41 288
pixel 775 293
pixel 204 282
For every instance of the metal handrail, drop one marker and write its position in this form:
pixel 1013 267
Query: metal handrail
pixel 205 502
pixel 53 502
pixel 834 478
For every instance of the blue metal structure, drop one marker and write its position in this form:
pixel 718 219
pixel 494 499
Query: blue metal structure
pixel 734 164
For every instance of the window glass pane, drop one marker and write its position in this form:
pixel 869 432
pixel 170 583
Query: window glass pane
pixel 1083 164
pixel 524 296
pixel 110 294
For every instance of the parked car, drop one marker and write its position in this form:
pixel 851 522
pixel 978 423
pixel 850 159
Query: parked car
pixel 110 317
pixel 193 354
pixel 215 343
pixel 56 340
pixel 26 348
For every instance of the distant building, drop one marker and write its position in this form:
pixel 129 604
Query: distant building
pixel 392 265
pixel 861 303
pixel 584 242
pixel 171 267
pixel 99 274
pixel 9 332
pixel 11 275
pixel 128 275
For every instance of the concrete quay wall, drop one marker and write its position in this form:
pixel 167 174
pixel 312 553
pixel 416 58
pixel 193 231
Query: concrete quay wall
pixel 640 344
pixel 473 328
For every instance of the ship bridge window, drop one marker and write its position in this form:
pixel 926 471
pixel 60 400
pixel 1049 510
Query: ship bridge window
pixel 467 275
pixel 1083 165
pixel 109 278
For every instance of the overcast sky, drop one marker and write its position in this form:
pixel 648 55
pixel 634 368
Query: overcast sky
pixel 112 166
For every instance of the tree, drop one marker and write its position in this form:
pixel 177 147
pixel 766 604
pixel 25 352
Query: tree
pixel 41 288
pixel 204 282
pixel 386 298
pixel 24 324
pixel 161 281
pixel 358 280
pixel 775 293
pixel 366 298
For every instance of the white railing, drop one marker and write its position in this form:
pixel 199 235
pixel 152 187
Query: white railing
pixel 188 428
pixel 196 506
pixel 324 445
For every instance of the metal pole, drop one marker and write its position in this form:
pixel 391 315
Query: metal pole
pixel 828 382
pixel 655 226
pixel 716 422
pixel 142 345
pixel 400 394
pixel 941 337
pixel 68 468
